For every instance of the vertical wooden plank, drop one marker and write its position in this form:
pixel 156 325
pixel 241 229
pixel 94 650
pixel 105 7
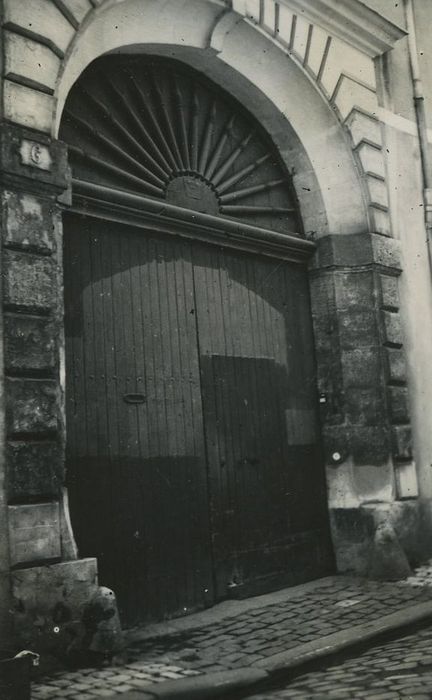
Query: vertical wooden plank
pixel 248 324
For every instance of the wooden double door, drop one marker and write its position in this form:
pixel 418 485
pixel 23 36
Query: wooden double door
pixel 193 458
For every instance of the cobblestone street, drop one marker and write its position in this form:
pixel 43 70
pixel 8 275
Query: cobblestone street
pixel 400 669
pixel 250 632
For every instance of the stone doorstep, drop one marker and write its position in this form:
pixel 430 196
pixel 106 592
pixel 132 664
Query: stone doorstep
pixel 221 683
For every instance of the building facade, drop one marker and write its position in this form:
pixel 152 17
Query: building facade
pixel 217 308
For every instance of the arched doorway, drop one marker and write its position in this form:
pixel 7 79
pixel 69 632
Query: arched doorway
pixel 193 449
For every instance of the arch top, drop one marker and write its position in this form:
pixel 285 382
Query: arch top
pixel 156 128
pixel 273 83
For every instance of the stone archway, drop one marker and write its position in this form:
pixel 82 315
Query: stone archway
pixel 336 207
pixel 275 90
pixel 340 182
pixel 194 458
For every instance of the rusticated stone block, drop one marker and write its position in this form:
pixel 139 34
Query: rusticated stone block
pixel 365 406
pixel 347 251
pixel 398 400
pixel 357 328
pixel 392 328
pixel 359 249
pixel 386 251
pixel 380 222
pixel 362 367
pixel 396 365
pixel 323 300
pixel 402 442
pixel 30 59
pixel 29 343
pixel 336 439
pixel 34 532
pixel 30 108
pixel 43 18
pixel 29 280
pixel 35 469
pixel 354 290
pixel 27 221
pixel 390 292
pixel 31 406
pixel 370 444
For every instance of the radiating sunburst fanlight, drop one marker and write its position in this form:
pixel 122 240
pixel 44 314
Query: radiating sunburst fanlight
pixel 156 128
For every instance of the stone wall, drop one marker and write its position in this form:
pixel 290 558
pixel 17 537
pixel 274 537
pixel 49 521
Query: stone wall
pixel 362 384
pixel 34 175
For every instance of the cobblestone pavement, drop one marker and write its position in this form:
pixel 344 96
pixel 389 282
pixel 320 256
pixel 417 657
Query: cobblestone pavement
pixel 238 640
pixel 397 670
pixel 87 684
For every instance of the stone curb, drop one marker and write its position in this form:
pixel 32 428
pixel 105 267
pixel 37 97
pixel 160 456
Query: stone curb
pixel 209 685
pixel 219 684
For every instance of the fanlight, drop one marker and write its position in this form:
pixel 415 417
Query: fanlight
pixel 155 127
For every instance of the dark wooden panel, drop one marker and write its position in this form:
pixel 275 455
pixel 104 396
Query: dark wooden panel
pixel 193 450
pixel 267 489
pixel 137 471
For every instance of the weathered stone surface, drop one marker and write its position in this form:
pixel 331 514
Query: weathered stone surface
pixel 49 603
pixel 363 126
pixel 406 519
pixel 389 292
pixel 31 406
pixel 347 251
pixel 30 59
pixel 392 328
pixel 102 622
pixel 386 251
pixel 402 442
pixel 34 532
pixel 357 327
pixel 336 439
pixel 396 364
pixel 371 483
pixel 351 372
pixel 365 405
pixel 35 469
pixel 29 280
pixel 380 222
pixel 370 444
pixel 377 190
pixel 355 290
pixel 358 249
pixel 28 221
pixel 388 560
pixel 371 157
pixel 50 173
pixel 79 8
pixel 352 533
pixel 27 107
pixel 406 479
pixel 362 367
pixel 398 400
pixel 43 17
pixel 29 343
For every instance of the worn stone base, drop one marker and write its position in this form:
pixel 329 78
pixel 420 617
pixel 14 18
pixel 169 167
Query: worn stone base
pixel 48 605
pixel 353 532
